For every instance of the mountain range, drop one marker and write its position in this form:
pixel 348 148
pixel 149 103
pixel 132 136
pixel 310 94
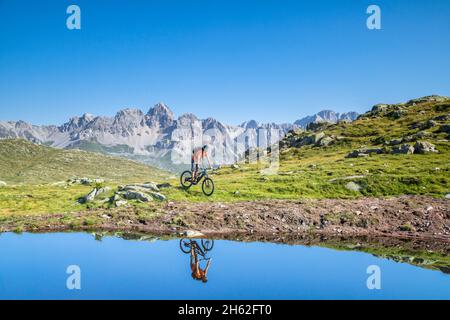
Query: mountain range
pixel 152 137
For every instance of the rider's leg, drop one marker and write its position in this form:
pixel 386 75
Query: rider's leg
pixel 195 172
pixel 192 169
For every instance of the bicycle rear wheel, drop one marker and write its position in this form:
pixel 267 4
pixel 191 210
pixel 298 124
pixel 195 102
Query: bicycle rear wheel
pixel 207 244
pixel 186 179
pixel 208 187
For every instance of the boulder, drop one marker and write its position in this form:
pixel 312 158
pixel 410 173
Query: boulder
pixel 425 125
pixel 234 166
pixel 2 184
pixel 139 187
pixel 381 107
pixel 395 142
pixel 432 98
pixel 136 195
pixel 158 196
pixel 94 193
pixel 444 128
pixel 403 149
pixel 445 117
pixel 352 186
pixel 315 138
pixel 397 114
pixel 85 181
pixel 151 186
pixel 364 152
pixel 325 141
pixel 416 136
pixel 90 196
pixel 424 147
pixel 163 185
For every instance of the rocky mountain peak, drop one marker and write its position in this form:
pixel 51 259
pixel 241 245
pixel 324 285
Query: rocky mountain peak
pixel 160 116
pixel 128 119
pixel 77 123
pixel 211 123
pixel 187 119
pixel 326 116
pixel 252 124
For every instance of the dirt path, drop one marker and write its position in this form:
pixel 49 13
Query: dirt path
pixel 411 216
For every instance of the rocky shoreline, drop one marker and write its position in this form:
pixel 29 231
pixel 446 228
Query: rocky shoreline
pixel 409 217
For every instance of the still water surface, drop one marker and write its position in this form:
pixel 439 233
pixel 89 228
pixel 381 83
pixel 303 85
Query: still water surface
pixel 33 266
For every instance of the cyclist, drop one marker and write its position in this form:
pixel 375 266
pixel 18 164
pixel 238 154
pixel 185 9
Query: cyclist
pixel 197 272
pixel 198 155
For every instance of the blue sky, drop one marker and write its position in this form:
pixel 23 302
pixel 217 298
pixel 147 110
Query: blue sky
pixel 268 60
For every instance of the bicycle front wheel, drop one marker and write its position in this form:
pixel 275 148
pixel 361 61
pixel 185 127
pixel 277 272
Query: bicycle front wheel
pixel 185 245
pixel 208 187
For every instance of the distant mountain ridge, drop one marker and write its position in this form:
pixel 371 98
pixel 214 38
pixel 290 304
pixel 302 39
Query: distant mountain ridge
pixel 151 136
pixel 326 116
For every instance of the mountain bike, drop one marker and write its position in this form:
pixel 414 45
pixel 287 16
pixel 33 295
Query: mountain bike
pixel 207 185
pixel 206 245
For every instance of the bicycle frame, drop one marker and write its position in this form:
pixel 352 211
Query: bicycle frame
pixel 203 174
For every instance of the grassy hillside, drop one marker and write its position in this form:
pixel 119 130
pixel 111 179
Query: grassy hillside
pixel 308 169
pixel 315 171
pixel 22 162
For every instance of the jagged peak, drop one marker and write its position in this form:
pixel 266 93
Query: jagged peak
pixel 159 108
pixel 160 116
pixel 129 111
pixel 251 124
pixel 188 116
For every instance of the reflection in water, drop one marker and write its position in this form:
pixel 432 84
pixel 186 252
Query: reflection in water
pixel 195 250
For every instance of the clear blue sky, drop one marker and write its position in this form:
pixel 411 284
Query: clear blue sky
pixel 268 60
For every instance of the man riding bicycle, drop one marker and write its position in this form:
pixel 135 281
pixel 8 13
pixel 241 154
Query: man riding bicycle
pixel 198 154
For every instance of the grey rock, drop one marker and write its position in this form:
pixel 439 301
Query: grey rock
pixel 91 196
pixel 364 152
pixel 445 117
pixel 444 128
pixel 158 196
pixel 136 195
pixel 163 185
pixel 2 184
pixel 139 187
pixel 325 141
pixel 397 114
pixel 432 98
pixel 425 125
pixel 416 136
pixel 403 149
pixel 315 138
pixel 424 147
pixel 395 142
pixel 379 108
pixel 192 234
pixel 352 186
